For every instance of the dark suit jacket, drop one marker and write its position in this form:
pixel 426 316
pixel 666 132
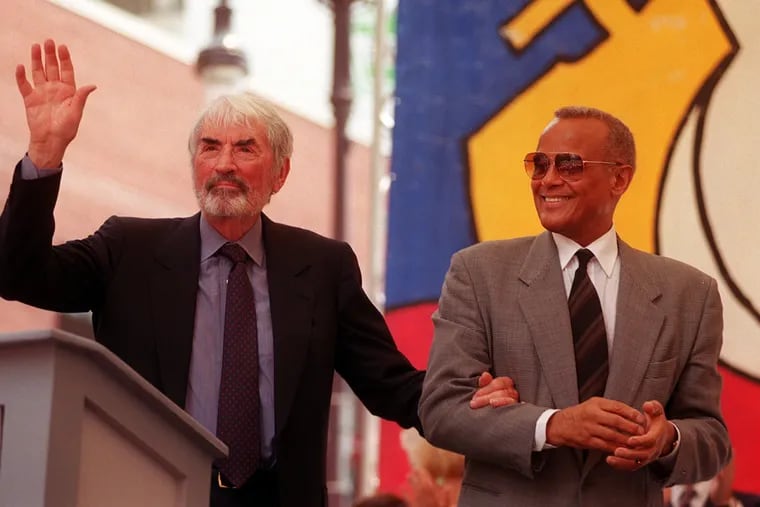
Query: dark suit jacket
pixel 504 308
pixel 139 277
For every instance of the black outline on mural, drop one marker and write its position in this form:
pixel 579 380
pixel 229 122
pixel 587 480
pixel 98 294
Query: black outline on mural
pixel 704 218
pixel 467 170
pixel 700 105
pixel 577 4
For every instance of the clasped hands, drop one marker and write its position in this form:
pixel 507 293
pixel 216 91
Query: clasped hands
pixel 631 438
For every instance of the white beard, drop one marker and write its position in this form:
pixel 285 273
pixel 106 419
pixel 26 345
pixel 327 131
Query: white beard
pixel 226 202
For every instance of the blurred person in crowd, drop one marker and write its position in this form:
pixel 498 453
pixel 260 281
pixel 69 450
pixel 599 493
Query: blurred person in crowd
pixel 716 492
pixel 435 477
pixel 382 500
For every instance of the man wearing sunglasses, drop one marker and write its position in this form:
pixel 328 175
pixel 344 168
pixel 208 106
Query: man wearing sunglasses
pixel 613 351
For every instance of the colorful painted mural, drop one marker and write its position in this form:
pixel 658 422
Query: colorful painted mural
pixel 477 81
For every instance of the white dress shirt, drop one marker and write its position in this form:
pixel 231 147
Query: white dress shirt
pixel 604 272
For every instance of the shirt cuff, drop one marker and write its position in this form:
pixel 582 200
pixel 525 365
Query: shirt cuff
pixel 674 448
pixel 29 171
pixel 539 437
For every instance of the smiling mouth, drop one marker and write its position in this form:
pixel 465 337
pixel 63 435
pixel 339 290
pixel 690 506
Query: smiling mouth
pixel 548 198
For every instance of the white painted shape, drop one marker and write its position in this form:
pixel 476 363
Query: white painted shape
pixel 728 181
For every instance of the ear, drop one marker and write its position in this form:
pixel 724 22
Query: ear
pixel 621 177
pixel 280 179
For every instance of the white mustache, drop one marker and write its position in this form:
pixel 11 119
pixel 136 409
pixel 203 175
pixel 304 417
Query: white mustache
pixel 216 180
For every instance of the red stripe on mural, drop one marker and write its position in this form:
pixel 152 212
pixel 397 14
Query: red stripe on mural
pixel 741 409
pixel 413 331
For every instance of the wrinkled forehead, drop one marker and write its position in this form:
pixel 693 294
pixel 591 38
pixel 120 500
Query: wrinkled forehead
pixel 232 132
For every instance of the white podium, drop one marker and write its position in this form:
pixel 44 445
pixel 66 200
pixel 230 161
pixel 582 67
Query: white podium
pixel 79 428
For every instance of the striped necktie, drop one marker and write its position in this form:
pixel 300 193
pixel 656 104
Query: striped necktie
pixel 589 335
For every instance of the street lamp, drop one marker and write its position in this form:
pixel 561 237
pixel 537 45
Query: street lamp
pixel 222 65
pixel 341 97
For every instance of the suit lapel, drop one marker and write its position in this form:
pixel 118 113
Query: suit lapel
pixel 545 310
pixel 637 328
pixel 291 297
pixel 173 289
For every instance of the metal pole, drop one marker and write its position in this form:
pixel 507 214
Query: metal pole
pixel 341 98
pixel 380 179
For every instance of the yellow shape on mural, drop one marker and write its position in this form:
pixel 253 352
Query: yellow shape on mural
pixel 532 19
pixel 646 72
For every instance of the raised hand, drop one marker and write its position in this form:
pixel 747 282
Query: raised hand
pixel 496 392
pixel 596 424
pixel 656 441
pixel 53 103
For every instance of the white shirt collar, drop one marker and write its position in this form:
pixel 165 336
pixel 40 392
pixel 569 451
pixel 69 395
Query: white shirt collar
pixel 604 248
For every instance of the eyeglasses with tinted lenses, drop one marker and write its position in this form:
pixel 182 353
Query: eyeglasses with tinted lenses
pixel 569 166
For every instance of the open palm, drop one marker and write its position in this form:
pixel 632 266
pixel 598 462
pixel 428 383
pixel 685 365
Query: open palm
pixel 53 103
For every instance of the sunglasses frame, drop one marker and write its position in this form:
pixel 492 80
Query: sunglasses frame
pixel 552 156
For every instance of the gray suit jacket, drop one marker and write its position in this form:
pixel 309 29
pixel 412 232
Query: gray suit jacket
pixel 503 308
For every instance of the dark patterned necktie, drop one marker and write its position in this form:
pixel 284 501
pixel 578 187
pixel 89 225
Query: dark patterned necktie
pixel 589 335
pixel 239 410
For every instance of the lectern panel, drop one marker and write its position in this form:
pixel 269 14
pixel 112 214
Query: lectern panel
pixel 119 470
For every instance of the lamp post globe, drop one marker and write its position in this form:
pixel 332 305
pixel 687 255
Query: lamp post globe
pixel 222 65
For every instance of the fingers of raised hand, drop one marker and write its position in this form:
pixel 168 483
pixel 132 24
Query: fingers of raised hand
pixel 36 68
pixel 51 61
pixel 67 67
pixel 21 82
pixel 45 67
pixel 80 96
